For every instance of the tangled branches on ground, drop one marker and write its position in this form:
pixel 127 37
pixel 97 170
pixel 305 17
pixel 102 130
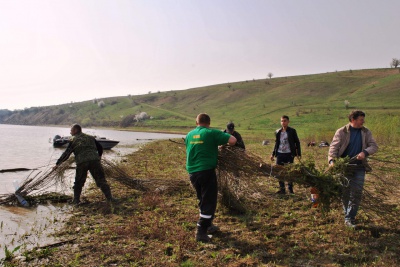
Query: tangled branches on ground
pixel 40 183
pixel 242 189
pixel 116 172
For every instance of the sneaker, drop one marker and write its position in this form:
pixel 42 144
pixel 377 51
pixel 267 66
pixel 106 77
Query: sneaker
pixel 201 235
pixel 281 192
pixel 212 229
pixel 350 224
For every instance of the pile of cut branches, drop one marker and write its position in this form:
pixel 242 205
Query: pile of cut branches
pixel 241 188
pixel 39 185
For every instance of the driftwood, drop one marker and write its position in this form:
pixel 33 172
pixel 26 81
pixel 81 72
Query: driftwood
pixel 16 170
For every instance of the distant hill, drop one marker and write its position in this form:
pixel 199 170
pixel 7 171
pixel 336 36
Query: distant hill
pixel 317 101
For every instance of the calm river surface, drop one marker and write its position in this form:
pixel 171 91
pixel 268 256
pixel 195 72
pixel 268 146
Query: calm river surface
pixel 29 147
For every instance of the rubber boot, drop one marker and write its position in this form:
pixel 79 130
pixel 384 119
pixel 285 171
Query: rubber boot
pixel 290 187
pixel 107 193
pixel 105 188
pixel 201 235
pixel 77 195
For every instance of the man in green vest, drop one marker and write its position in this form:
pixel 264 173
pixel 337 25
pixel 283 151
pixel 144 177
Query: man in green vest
pixel 87 153
pixel 201 160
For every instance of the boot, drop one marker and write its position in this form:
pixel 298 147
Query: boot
pixel 107 193
pixel 77 195
pixel 201 235
pixel 212 229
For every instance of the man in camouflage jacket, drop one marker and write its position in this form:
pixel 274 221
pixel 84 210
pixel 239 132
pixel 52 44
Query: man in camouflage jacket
pixel 87 153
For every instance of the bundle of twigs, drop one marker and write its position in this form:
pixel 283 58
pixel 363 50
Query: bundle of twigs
pixel 241 189
pixel 115 172
pixel 39 183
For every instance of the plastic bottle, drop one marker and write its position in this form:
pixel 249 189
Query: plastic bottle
pixel 22 200
pixel 314 197
pixel 19 197
pixel 16 184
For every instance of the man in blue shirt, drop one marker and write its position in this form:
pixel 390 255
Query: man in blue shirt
pixel 356 142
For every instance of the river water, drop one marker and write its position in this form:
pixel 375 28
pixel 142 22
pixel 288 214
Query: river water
pixel 29 147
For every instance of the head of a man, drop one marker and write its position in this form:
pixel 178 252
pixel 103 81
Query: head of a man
pixel 357 118
pixel 76 129
pixel 203 120
pixel 230 127
pixel 284 121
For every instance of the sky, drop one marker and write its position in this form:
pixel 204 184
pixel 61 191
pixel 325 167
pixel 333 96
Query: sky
pixel 54 52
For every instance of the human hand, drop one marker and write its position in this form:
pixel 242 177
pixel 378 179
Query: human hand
pixel 361 156
pixel 272 158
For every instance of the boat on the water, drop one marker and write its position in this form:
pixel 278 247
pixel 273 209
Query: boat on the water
pixel 60 141
pixel 106 143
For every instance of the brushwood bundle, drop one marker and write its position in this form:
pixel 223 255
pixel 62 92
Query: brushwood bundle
pixel 242 179
pixel 42 185
pixel 39 183
pixel 242 183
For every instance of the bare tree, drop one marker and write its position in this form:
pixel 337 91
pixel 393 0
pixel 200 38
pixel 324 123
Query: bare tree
pixel 270 74
pixel 395 63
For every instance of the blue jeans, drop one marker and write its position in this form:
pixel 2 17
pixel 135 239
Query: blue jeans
pixel 352 192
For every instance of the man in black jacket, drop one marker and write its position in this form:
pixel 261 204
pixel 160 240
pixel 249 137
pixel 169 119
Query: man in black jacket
pixel 287 146
pixel 230 129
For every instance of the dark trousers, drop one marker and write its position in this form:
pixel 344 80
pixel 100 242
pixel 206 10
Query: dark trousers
pixel 96 170
pixel 206 186
pixel 282 159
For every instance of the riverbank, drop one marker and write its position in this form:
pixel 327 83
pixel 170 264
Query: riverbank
pixel 154 228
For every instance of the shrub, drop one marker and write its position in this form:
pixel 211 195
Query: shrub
pixel 101 104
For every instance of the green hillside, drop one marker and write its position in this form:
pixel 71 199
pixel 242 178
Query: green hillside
pixel 315 104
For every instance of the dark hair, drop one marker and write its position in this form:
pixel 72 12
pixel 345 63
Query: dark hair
pixel 355 114
pixel 77 127
pixel 203 118
pixel 230 126
pixel 285 117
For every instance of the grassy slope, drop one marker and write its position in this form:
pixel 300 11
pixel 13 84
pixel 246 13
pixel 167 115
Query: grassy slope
pixel 316 101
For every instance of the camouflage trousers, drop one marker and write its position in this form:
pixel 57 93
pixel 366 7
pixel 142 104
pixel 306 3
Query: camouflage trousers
pixel 97 172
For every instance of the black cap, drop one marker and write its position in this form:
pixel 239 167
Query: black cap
pixel 230 126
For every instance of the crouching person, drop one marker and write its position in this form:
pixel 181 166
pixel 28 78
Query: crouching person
pixel 201 160
pixel 87 153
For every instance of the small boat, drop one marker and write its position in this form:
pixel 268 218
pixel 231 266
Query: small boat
pixel 60 141
pixel 106 143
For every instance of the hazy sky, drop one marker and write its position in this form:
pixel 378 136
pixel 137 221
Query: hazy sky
pixel 55 52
